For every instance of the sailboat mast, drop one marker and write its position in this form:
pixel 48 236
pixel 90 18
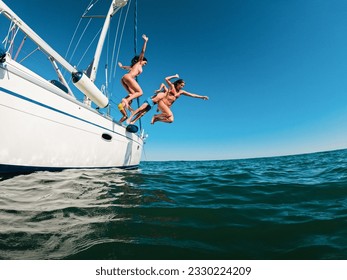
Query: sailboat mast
pixel 114 7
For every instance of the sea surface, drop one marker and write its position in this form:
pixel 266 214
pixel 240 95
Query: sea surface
pixel 292 207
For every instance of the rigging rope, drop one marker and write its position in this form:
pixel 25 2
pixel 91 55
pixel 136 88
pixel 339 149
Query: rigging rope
pixel 121 37
pixel 73 37
pixel 135 51
pixel 6 39
pixel 90 44
pixel 84 31
pixel 79 22
pixel 11 35
pixel 114 46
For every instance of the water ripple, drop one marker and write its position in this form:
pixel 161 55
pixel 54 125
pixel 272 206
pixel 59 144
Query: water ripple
pixel 291 207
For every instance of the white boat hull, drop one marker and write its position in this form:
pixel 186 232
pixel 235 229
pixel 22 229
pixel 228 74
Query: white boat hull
pixel 43 128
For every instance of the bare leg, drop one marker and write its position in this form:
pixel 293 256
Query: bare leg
pixel 137 111
pixel 132 87
pixel 138 116
pixel 162 118
pixel 124 101
pixel 165 116
pixel 123 112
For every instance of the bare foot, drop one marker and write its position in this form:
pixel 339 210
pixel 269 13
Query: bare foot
pixel 153 120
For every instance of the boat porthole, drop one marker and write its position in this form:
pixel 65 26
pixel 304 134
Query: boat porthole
pixel 106 137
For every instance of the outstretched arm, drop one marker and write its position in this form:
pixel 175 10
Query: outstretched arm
pixel 123 66
pixel 142 54
pixel 204 97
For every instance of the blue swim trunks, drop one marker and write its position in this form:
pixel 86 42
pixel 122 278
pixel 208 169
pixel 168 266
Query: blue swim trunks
pixel 150 103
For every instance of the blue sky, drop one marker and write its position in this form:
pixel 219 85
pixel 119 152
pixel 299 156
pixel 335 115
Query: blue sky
pixel 275 72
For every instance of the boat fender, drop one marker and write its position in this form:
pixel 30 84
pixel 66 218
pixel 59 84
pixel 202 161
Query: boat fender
pixel 59 85
pixel 132 128
pixel 85 85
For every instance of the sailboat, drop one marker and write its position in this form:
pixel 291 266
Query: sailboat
pixel 45 127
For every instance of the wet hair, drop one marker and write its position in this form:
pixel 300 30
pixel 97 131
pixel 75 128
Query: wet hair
pixel 136 60
pixel 179 81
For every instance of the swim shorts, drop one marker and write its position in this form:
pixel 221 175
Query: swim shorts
pixel 150 103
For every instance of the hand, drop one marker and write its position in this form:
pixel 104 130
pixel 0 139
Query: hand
pixel 176 76
pixel 205 97
pixel 120 64
pixel 145 37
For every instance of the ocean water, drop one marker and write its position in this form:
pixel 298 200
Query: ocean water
pixel 292 207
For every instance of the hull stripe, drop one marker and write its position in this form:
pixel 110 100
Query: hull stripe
pixel 59 111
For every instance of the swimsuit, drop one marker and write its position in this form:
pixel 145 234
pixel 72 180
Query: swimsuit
pixel 150 103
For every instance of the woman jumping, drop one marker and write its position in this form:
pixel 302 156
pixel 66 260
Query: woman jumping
pixel 129 80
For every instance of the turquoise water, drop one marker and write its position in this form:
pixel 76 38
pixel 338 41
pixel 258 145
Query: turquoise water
pixel 292 207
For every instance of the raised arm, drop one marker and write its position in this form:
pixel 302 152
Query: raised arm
pixel 142 54
pixel 204 97
pixel 161 88
pixel 168 80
